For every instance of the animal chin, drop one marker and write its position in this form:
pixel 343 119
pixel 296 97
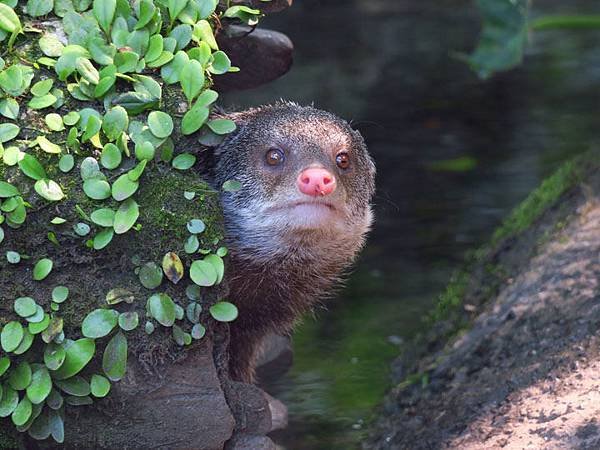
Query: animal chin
pixel 309 214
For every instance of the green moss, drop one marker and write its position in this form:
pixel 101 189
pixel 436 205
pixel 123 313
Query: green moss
pixel 165 212
pixel 540 200
pixel 519 220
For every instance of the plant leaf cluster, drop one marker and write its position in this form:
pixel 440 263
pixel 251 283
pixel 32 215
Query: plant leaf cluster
pixel 118 58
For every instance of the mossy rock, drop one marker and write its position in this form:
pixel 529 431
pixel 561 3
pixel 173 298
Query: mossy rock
pixel 172 393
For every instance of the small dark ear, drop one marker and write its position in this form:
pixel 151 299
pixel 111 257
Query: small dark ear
pixel 241 118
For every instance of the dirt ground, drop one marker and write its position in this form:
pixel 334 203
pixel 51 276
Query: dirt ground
pixel 526 374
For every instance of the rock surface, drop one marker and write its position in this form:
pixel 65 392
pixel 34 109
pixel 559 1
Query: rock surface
pixel 262 56
pixel 526 373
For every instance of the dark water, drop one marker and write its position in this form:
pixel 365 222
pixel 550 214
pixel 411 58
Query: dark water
pixel 388 66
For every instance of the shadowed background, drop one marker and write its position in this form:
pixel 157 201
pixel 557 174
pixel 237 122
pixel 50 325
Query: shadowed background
pixel 454 155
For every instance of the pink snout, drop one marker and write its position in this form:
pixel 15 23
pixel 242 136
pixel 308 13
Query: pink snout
pixel 316 181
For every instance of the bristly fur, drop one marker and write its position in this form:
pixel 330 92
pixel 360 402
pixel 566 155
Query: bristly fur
pixel 285 260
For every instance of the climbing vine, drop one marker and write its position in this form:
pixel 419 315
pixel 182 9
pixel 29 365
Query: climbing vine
pixel 118 57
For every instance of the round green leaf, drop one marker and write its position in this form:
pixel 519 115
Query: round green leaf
pixel 76 386
pixel 48 146
pixel 232 186
pixel 4 365
pixel 100 386
pixel 66 163
pixel 221 126
pixel 48 189
pixel 114 360
pixel 203 273
pixel 90 169
pixel 183 161
pixel 218 264
pixel 104 217
pixel 103 238
pixel 20 377
pixel 42 102
pixel 149 327
pixel 25 343
pixel 126 216
pixel 54 356
pixel 22 412
pixel 129 320
pixel 224 311
pixel 160 123
pixel 25 306
pixel 7 190
pixel 9 107
pixel 198 331
pixel 42 268
pixel 31 167
pixel 8 131
pixel 54 400
pixel 194 119
pixel 40 386
pixel 144 151
pixel 50 45
pixel 9 401
pixel 124 187
pixel 11 336
pixel 79 353
pixel 54 122
pixel 42 87
pixel 191 79
pixel 36 8
pixel 38 327
pixel 135 173
pixel 110 157
pixel 162 308
pixel 191 244
pixel 196 226
pixel 115 122
pixel 99 323
pixel 81 229
pixel 96 189
pixel 150 275
pixel 221 63
pixel 9 21
pixel 193 311
pixel 60 294
pixel 71 118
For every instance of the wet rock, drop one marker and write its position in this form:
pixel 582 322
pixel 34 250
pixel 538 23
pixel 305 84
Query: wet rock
pixel 262 55
pixel 185 409
pixel 275 359
pixel 250 442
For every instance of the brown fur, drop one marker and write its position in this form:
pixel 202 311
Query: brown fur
pixel 281 267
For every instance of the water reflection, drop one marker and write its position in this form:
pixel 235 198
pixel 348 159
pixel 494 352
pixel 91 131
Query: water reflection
pixel 387 65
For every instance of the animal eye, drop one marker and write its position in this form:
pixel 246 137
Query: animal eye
pixel 342 160
pixel 274 157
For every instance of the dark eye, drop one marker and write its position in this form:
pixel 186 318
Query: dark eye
pixel 274 157
pixel 342 160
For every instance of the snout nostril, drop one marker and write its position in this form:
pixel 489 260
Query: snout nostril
pixel 305 180
pixel 326 180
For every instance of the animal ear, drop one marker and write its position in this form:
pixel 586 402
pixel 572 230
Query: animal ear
pixel 241 119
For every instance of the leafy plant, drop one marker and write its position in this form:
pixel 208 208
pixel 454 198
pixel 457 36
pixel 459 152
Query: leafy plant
pixel 118 57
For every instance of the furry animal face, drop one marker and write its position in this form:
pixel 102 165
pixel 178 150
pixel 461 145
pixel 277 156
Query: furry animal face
pixel 306 176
